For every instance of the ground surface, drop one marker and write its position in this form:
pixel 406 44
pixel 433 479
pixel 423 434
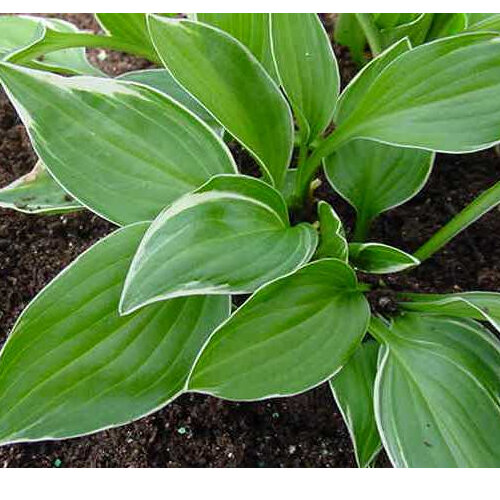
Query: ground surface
pixel 304 431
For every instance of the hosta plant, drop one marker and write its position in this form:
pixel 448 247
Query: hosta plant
pixel 145 314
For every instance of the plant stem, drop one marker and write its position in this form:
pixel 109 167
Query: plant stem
pixel 378 329
pixel 57 41
pixel 362 227
pixel 371 32
pixel 310 165
pixel 483 203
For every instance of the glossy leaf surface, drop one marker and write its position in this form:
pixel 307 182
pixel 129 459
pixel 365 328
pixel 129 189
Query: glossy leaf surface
pixel 36 193
pixel 375 177
pixel 353 390
pixel 307 69
pixel 332 242
pixel 439 96
pixel 72 365
pixel 230 236
pixel 251 29
pixel 291 335
pixel 378 258
pixel 229 81
pixel 437 393
pixel 110 143
pixel 17 32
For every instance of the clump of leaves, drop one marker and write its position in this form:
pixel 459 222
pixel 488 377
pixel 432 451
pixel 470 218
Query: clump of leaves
pixel 380 31
pixel 145 314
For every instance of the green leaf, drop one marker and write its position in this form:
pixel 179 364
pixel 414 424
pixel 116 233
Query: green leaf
pixel 414 27
pixel 386 20
pixel 483 306
pixel 440 96
pixel 131 27
pixel 251 29
pixel 18 32
pixel 121 149
pixel 307 69
pixel 371 176
pixel 288 189
pixel 437 393
pixel 352 389
pixel 378 258
pixel 291 335
pixel 446 25
pixel 227 79
pixel 73 366
pixel 230 236
pixel 348 32
pixel 332 242
pixel 375 177
pixel 51 40
pixel 37 193
pixel 359 85
pixel 162 80
pixel 483 22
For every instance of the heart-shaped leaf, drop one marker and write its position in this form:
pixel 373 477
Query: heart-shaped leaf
pixel 307 69
pixel 375 177
pixel 291 335
pixel 230 236
pixel 353 389
pixel 437 393
pixel 378 258
pixel 72 365
pixel 251 29
pixel 229 81
pixel 122 149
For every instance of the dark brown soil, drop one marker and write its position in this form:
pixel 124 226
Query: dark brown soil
pixel 304 431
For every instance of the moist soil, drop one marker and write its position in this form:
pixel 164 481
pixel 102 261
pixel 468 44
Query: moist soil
pixel 197 430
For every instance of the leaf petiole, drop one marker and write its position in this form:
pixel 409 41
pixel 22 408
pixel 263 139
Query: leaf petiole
pixel 486 201
pixel 307 169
